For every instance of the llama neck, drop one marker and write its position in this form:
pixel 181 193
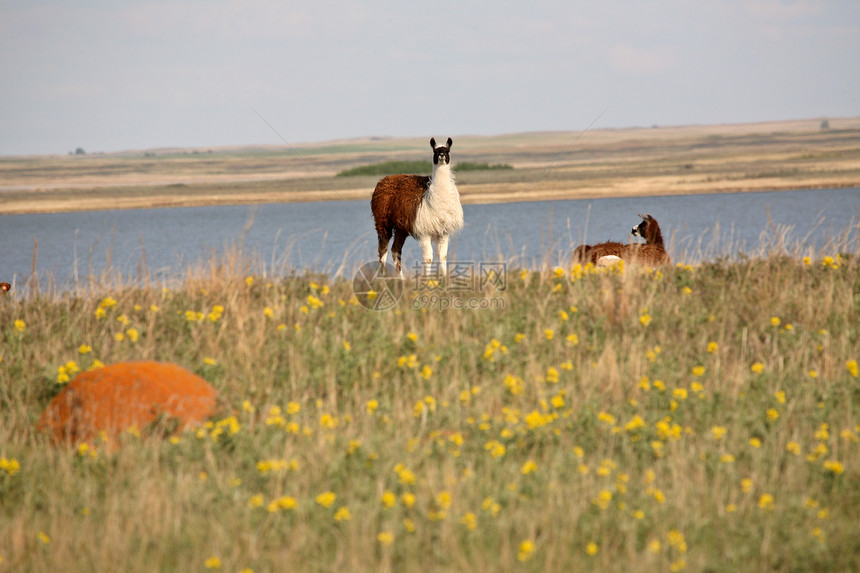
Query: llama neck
pixel 439 213
pixel 442 180
pixel 655 237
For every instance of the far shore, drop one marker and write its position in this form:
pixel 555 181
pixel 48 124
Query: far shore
pixel 468 196
pixel 636 162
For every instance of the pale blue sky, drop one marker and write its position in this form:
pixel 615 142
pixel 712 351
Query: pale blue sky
pixel 115 75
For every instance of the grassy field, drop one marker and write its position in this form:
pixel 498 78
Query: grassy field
pixel 562 165
pixel 700 419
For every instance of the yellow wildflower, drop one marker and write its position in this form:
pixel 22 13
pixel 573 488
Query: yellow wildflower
pixel 604 497
pixel 385 538
pixel 766 501
pixel 326 499
pixel 408 499
pixel 470 520
pixel 634 424
pixel 10 466
pixel 389 499
pixel 834 466
pixel 443 499
pixel 405 475
pixel 526 550
pixel 676 539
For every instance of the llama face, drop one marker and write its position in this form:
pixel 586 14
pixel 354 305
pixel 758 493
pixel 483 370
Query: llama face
pixel 441 155
pixel 639 230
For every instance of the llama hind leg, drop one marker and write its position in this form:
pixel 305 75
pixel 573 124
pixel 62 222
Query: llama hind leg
pixel 397 250
pixel 442 249
pixel 384 236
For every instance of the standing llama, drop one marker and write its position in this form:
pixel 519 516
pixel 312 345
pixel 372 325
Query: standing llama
pixel 428 208
pixel 652 253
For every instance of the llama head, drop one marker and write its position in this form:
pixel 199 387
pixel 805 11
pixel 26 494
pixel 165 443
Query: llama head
pixel 441 154
pixel 641 230
pixel 5 287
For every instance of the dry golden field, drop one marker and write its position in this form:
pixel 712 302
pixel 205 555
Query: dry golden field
pixel 550 165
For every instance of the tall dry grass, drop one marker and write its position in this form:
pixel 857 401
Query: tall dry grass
pixel 690 418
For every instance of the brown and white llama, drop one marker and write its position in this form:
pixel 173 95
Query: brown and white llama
pixel 428 208
pixel 5 287
pixel 652 253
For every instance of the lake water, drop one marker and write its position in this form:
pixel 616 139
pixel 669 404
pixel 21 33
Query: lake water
pixel 337 237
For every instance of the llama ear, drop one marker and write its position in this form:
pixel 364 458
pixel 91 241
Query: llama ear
pixel 433 143
pixel 450 142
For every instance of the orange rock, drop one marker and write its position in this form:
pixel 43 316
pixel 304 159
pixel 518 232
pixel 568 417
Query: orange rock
pixel 125 395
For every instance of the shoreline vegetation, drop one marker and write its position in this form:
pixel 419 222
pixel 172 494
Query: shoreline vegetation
pixel 799 154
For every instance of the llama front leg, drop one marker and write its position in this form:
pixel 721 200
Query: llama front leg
pixel 442 249
pixel 426 253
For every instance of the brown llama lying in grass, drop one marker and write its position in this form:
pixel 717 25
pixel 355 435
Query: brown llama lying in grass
pixel 652 253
